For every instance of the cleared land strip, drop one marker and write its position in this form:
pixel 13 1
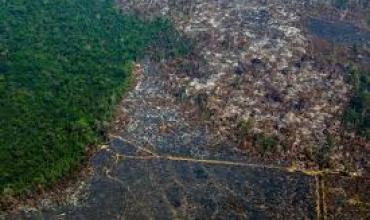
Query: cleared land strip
pixel 154 155
pixel 321 211
pixel 307 172
pixel 319 188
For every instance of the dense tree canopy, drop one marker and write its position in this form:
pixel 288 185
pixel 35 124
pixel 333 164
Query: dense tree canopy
pixel 63 66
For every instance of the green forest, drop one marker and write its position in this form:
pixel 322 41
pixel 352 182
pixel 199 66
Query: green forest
pixel 64 65
pixel 356 116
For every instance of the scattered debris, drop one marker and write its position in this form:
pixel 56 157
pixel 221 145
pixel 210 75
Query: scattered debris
pixel 256 60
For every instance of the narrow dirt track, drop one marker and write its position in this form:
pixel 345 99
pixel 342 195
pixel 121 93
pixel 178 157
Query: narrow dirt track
pixel 163 162
pixel 145 173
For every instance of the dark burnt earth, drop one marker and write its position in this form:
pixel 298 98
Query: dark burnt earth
pixel 176 150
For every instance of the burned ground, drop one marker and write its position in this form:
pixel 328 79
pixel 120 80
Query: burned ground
pixel 245 126
pixel 269 65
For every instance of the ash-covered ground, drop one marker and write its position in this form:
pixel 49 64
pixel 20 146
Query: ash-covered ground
pixel 270 75
pixel 238 128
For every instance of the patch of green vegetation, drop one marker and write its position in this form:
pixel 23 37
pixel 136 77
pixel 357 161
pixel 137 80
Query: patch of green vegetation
pixel 357 114
pixel 63 66
pixel 264 142
pixel 368 18
pixel 341 4
pixel 244 128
